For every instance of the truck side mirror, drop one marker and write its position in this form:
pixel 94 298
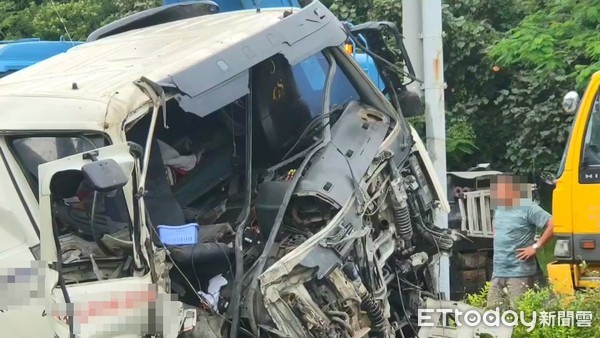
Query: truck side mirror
pixel 410 103
pixel 570 102
pixel 372 39
pixel 105 175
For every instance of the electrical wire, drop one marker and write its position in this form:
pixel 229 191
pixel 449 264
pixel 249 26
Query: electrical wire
pixel 308 127
pixel 390 65
pixel 62 21
pixel 61 281
pixel 402 302
pixel 439 266
pixel 194 267
pixel 375 196
pixel 274 231
pixel 357 188
pixel 239 233
pixel 200 297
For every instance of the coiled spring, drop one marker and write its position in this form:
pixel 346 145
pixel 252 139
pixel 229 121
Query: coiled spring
pixel 402 221
pixel 374 312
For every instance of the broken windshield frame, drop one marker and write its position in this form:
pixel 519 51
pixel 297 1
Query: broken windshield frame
pixel 347 84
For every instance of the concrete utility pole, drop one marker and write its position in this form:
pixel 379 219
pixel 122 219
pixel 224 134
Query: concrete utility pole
pixel 422 29
pixel 411 30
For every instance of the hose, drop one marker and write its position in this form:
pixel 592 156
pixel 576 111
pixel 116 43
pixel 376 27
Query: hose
pixel 443 240
pixel 343 324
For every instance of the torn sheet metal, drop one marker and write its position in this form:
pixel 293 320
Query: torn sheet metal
pixel 355 142
pixel 223 76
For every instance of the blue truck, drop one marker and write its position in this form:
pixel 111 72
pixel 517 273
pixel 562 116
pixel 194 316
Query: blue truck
pixel 18 54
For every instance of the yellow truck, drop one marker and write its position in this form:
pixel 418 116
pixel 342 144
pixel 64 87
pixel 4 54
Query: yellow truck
pixel 575 200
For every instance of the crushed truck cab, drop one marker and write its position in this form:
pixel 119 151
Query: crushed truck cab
pixel 190 179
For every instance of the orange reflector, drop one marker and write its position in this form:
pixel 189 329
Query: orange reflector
pixel 349 48
pixel 588 244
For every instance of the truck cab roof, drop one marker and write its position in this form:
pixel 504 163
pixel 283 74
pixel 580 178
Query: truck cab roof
pixel 202 60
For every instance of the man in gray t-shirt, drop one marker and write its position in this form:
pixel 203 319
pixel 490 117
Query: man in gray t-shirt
pixel 516 219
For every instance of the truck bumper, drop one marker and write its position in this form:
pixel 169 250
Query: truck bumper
pixel 565 278
pixel 560 276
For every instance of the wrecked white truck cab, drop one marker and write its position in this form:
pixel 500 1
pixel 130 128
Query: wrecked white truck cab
pixel 309 197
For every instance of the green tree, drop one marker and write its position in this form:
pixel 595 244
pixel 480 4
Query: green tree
pixel 553 50
pixel 49 20
pixel 75 20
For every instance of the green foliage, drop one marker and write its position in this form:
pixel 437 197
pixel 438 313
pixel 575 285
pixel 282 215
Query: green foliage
pixel 507 66
pixel 471 26
pixel 50 20
pixel 479 299
pixel 553 50
pixel 460 141
pixel 116 9
pixel 538 300
pixel 75 20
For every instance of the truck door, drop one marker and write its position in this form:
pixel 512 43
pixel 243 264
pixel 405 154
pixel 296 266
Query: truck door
pixel 108 171
pixel 51 175
pixel 586 179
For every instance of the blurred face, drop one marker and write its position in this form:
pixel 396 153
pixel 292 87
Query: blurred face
pixel 508 190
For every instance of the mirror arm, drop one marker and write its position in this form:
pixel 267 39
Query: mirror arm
pixel 381 25
pixel 378 27
pixel 91 156
pixel 136 150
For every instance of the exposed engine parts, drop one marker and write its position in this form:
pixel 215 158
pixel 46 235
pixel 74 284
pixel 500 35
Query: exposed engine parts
pixel 367 303
pixel 339 273
pixel 401 212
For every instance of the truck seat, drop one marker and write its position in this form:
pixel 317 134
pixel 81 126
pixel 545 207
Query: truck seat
pixel 279 110
pixel 160 200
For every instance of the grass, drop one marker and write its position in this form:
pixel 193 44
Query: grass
pixel 542 299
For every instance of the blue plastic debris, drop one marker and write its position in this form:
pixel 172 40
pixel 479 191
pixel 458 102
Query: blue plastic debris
pixel 178 234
